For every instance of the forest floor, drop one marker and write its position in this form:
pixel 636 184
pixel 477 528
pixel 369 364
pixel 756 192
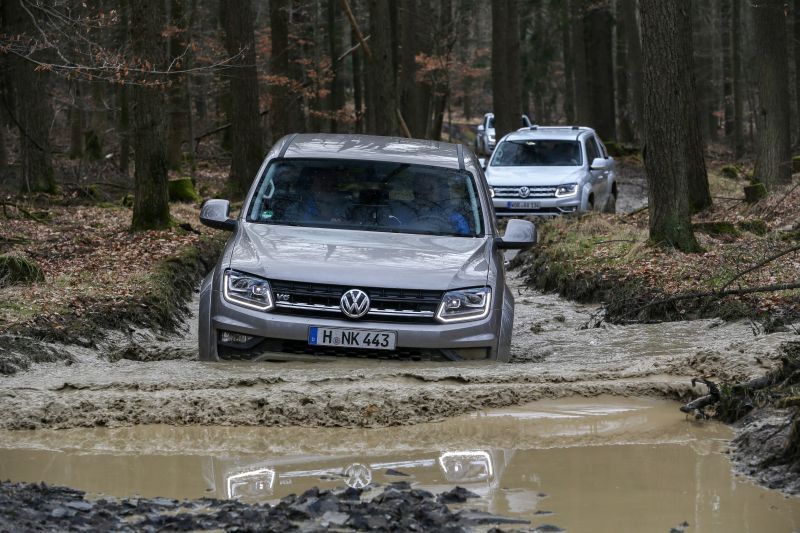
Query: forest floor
pixel 97 324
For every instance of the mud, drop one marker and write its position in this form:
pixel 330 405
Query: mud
pixel 577 464
pixel 146 378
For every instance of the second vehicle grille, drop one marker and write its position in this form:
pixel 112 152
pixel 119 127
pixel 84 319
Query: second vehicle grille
pixel 513 191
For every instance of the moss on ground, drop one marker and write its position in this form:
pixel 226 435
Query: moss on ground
pixel 182 190
pixel 15 269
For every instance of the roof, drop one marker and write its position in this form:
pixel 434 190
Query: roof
pixel 549 132
pixel 373 147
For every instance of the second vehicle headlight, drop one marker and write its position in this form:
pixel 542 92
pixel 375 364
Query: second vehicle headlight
pixel 465 304
pixel 566 190
pixel 247 290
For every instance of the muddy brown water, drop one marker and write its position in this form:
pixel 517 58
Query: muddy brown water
pixel 601 464
pixel 169 425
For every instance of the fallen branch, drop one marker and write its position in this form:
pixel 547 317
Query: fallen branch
pixel 352 49
pixel 715 294
pixel 403 125
pixel 218 129
pixel 636 211
pixel 354 25
pixel 760 264
pixel 25 212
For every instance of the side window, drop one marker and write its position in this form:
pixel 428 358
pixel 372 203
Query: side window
pixel 591 150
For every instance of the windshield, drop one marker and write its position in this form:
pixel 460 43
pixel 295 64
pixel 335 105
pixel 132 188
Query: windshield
pixel 368 195
pixel 538 153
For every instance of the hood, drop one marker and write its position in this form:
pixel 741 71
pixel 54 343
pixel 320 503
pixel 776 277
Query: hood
pixel 533 175
pixel 361 258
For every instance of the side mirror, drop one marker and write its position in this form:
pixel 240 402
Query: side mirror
pixel 600 164
pixel 481 129
pixel 214 214
pixel 520 234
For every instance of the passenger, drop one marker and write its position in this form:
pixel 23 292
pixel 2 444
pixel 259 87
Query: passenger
pixel 432 207
pixel 322 202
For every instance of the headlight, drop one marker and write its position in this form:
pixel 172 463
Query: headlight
pixel 566 190
pixel 465 304
pixel 247 290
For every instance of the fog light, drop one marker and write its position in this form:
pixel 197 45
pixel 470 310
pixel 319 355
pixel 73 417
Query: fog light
pixel 229 337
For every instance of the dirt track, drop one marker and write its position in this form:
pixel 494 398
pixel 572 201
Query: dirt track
pixel 553 358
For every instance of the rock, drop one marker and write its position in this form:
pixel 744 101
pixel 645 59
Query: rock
pixel 400 485
pixel 456 495
pixel 335 518
pixel 350 494
pixel 80 506
pixel 393 472
pixel 548 528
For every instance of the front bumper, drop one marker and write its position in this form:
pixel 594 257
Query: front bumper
pixel 274 326
pixel 537 206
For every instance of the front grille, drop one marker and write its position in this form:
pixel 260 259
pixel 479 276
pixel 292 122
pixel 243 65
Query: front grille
pixel 537 191
pixel 294 347
pixel 386 304
pixel 503 211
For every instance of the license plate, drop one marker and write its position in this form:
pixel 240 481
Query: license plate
pixel 523 205
pixel 352 338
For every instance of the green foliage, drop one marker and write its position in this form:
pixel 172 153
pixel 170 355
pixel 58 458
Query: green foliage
pixel 126 201
pixel 755 192
pixel 722 227
pixel 182 190
pixel 796 164
pixel 731 172
pixel 17 270
pixel 755 226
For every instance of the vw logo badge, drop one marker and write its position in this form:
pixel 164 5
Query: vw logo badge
pixel 524 192
pixel 354 303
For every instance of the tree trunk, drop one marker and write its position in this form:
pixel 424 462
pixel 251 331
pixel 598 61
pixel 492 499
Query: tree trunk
pixel 178 94
pixel 33 112
pixel 415 96
pixel 634 45
pixel 668 113
pixel 704 68
pixel 773 157
pixel 569 78
pixel 336 98
pixel 246 135
pixel 151 199
pixel 797 63
pixel 279 68
pixel 583 110
pixel 358 83
pixel 622 72
pixel 382 105
pixel 77 124
pixel 727 66
pixel 506 89
pixel 123 98
pixel 598 24
pixel 738 85
pixel 696 174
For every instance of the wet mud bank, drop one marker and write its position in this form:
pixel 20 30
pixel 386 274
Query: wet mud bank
pixel 161 308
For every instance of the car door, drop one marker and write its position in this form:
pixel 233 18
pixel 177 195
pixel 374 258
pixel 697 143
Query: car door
pixel 599 175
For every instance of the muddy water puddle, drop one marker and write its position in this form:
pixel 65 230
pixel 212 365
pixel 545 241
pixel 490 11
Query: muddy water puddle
pixel 601 464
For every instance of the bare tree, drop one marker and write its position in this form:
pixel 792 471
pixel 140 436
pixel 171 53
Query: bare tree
pixel 151 198
pixel 382 107
pixel 246 135
pixel 27 99
pixel 279 68
pixel 598 25
pixel 774 156
pixel 506 81
pixel 668 112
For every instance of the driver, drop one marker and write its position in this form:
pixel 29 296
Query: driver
pixel 431 204
pixel 322 202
